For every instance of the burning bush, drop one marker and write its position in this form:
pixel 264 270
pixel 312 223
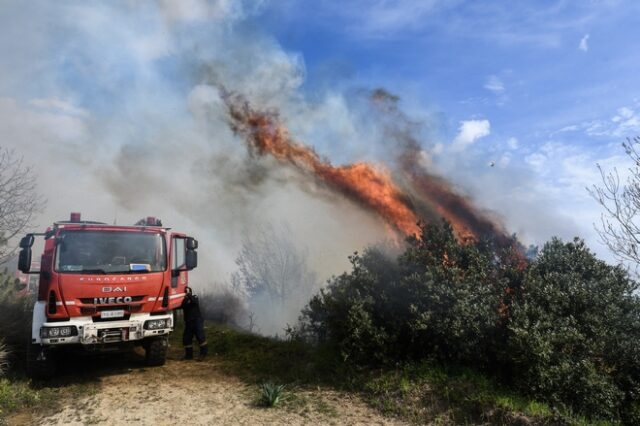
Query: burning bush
pixel 565 328
pixel 440 299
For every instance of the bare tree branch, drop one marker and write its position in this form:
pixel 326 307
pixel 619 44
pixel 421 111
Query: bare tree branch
pixel 19 201
pixel 619 227
pixel 271 264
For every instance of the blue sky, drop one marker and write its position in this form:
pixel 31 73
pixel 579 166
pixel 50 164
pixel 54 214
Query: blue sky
pixel 556 80
pixel 543 89
pixel 519 64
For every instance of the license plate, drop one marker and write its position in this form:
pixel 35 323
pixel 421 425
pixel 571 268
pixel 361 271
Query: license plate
pixel 112 314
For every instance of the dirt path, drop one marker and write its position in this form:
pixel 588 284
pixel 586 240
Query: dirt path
pixel 199 394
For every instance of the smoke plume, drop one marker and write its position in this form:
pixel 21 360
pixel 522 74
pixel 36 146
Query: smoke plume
pixel 425 198
pixel 120 109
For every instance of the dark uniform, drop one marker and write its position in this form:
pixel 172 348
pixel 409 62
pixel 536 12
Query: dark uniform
pixel 193 326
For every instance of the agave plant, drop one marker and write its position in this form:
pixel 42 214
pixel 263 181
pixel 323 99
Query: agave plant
pixel 271 394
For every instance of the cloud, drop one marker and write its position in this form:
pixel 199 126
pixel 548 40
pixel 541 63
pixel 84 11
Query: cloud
pixel 624 123
pixel 392 16
pixel 537 191
pixel 584 46
pixel 469 132
pixel 57 105
pixel 190 11
pixel 627 122
pixel 494 84
pixel 512 143
pixel 380 18
pixel 624 113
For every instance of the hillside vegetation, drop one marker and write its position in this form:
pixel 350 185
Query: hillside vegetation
pixel 564 328
pixel 446 333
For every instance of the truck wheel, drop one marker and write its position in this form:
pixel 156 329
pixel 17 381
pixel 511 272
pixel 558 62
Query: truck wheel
pixel 156 352
pixel 41 364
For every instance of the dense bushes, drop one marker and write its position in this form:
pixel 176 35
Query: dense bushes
pixel 15 313
pixel 223 306
pixel 440 299
pixel 564 328
pixel 575 335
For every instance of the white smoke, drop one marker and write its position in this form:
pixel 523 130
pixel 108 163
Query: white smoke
pixel 118 107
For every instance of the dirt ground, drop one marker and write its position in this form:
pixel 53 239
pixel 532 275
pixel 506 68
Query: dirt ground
pixel 189 392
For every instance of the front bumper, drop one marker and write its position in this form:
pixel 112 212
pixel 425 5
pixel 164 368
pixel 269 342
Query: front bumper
pixel 91 333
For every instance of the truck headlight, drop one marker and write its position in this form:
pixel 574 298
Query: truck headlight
pixel 65 331
pixel 157 324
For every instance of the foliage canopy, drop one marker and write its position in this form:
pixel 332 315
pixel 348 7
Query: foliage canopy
pixel 564 327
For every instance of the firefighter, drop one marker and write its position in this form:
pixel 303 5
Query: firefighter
pixel 193 325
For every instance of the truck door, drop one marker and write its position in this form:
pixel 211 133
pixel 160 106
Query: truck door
pixel 179 277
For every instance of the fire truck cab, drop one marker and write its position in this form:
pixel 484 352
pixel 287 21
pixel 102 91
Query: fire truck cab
pixel 106 288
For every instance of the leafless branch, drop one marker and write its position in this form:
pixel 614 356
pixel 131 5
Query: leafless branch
pixel 19 201
pixel 271 264
pixel 619 227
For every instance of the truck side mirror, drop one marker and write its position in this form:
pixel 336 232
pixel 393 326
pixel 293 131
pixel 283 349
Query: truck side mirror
pixel 24 259
pixel 27 241
pixel 192 243
pixel 191 259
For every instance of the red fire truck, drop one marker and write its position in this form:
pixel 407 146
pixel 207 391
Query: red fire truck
pixel 106 288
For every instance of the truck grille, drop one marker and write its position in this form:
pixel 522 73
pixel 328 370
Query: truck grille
pixel 110 335
pixel 90 301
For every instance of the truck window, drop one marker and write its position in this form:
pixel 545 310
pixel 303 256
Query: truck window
pixel 178 258
pixel 106 252
pixel 178 253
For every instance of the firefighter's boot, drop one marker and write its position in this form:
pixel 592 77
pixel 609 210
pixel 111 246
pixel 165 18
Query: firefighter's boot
pixel 188 352
pixel 204 350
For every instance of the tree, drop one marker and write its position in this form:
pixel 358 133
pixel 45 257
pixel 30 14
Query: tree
pixel 441 299
pixel 620 224
pixel 564 328
pixel 270 264
pixel 275 277
pixel 19 201
pixel 574 336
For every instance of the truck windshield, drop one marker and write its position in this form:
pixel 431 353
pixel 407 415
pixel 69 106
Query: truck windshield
pixel 110 252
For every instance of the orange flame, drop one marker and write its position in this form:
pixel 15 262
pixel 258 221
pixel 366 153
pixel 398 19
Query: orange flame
pixel 370 186
pixel 427 196
pixel 467 222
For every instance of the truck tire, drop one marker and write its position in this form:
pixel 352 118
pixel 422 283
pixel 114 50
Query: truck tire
pixel 41 363
pixel 156 351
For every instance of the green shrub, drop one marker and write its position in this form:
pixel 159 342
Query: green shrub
pixel 223 306
pixel 349 315
pixel 574 337
pixel 15 313
pixel 440 299
pixel 15 395
pixel 564 328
